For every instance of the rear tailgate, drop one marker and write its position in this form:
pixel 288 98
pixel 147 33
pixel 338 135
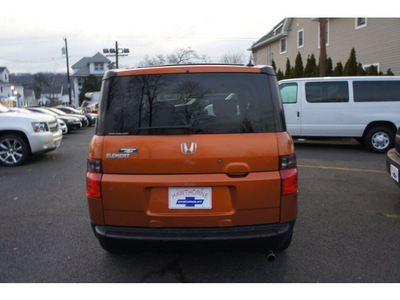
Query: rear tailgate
pixel 141 175
pixel 214 153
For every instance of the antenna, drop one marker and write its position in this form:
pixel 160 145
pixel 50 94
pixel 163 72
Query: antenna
pixel 250 64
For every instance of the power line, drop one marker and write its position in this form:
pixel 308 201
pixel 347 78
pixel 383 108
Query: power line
pixel 22 41
pixel 43 60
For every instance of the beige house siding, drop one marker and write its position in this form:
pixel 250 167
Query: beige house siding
pixel 376 43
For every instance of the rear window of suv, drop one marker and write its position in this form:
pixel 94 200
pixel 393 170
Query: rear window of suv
pixel 195 103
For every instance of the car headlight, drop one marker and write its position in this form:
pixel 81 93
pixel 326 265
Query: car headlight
pixel 40 126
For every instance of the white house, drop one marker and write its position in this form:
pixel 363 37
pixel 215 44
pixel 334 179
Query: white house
pixel 10 94
pixel 96 65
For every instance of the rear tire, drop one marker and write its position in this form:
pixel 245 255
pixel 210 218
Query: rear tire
pixel 379 139
pixel 14 150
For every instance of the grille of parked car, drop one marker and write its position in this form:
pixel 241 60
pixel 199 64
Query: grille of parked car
pixel 53 126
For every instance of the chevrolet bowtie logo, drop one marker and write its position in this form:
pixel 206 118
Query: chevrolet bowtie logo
pixel 189 148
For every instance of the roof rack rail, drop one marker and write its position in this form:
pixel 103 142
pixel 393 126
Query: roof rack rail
pixel 189 64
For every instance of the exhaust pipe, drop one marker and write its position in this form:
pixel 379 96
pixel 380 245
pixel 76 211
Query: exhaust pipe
pixel 270 256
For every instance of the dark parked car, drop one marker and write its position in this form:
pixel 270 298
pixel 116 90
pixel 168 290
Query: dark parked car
pixel 393 160
pixel 82 118
pixel 69 110
pixel 71 122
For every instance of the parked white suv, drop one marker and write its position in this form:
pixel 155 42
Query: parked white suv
pixel 23 134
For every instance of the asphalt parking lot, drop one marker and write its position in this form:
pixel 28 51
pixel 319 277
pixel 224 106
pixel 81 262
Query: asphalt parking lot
pixel 347 229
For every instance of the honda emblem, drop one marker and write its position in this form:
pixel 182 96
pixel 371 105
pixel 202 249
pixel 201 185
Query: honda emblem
pixel 189 148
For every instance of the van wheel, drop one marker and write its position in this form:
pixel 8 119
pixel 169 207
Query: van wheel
pixel 14 150
pixel 379 139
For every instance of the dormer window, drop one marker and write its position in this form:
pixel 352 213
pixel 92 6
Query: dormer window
pixel 98 66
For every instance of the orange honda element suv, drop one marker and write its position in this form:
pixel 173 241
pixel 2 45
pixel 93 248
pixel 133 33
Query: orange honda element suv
pixel 192 155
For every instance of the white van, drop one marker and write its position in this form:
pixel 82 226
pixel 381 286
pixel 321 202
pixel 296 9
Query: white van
pixel 366 108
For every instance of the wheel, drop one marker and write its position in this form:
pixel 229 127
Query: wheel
pixel 14 150
pixel 379 139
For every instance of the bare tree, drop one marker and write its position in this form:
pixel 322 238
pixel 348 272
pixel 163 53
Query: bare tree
pixel 233 58
pixel 152 61
pixel 179 56
pixel 183 56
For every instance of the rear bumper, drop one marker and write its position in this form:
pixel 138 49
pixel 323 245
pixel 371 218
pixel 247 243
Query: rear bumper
pixel 393 160
pixel 269 236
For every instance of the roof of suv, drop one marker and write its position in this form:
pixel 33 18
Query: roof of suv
pixel 201 68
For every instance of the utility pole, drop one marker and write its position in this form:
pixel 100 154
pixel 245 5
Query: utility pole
pixel 69 81
pixel 118 52
pixel 322 47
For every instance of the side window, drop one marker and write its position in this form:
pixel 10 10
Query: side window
pixel 376 91
pixel 289 92
pixel 300 38
pixel 283 48
pixel 327 92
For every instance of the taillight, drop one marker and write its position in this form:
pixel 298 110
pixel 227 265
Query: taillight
pixel 93 178
pixel 288 171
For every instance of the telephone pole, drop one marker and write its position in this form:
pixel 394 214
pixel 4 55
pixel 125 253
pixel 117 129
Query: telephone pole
pixel 118 52
pixel 69 81
pixel 322 47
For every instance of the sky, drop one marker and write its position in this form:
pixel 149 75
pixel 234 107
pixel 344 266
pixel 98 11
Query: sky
pixel 32 33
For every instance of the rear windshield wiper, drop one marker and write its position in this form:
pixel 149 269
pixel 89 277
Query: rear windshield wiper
pixel 167 127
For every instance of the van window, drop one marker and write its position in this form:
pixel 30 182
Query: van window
pixel 319 92
pixel 289 92
pixel 376 91
pixel 195 103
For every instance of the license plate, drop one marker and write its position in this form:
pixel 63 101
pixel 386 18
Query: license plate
pixel 394 172
pixel 190 198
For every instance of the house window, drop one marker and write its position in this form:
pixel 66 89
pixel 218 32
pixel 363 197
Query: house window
pixel 326 33
pixel 283 45
pixel 98 66
pixel 300 38
pixel 377 66
pixel 361 23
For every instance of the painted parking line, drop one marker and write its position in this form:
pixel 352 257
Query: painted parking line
pixel 392 216
pixel 342 169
